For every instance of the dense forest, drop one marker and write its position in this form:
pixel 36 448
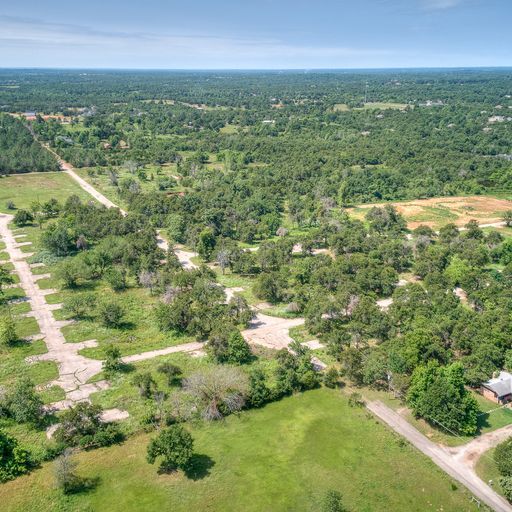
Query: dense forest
pixel 336 136
pixel 19 152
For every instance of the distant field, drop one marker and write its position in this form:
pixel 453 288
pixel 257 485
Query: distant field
pixel 283 457
pixel 24 189
pixel 343 107
pixel 438 211
pixel 385 105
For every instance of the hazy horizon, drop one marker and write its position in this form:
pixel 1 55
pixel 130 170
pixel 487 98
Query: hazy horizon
pixel 228 34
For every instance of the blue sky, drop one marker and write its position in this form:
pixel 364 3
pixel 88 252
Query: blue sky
pixel 257 34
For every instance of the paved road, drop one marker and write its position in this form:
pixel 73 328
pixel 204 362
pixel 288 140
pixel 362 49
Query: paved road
pixel 440 456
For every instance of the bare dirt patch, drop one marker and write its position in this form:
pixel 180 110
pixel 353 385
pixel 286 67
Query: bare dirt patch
pixel 438 211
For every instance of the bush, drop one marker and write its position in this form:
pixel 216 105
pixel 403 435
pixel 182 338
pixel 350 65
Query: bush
pixel 112 362
pixel 81 425
pixel 8 335
pixel 332 502
pixel 116 278
pixel 145 383
pixel 174 445
pixel 110 313
pixel 503 457
pixel 79 306
pixel 23 403
pixel 506 485
pixel 259 392
pixel 356 400
pixel 23 217
pixel 14 460
pixel 331 377
pixel 172 371
pixel 229 346
pixel 71 271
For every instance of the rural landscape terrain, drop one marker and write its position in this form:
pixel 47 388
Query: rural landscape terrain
pixel 258 291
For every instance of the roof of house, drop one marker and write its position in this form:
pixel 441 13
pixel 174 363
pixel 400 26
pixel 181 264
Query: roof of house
pixel 501 385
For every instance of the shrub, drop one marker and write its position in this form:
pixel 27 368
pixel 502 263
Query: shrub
pixel 79 306
pixel 506 485
pixel 81 425
pixel 259 392
pixel 229 346
pixel 116 278
pixel 110 313
pixel 8 335
pixel 71 271
pixel 145 383
pixel 23 217
pixel 14 460
pixel 172 371
pixel 332 502
pixel 112 362
pixel 503 457
pixel 331 377
pixel 23 403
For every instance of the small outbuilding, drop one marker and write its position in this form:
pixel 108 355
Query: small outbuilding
pixel 498 389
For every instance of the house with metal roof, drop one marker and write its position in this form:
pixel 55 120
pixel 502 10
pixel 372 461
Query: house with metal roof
pixel 498 389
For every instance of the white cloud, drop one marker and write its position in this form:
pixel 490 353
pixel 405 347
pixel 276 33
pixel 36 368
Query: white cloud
pixel 47 39
pixel 440 4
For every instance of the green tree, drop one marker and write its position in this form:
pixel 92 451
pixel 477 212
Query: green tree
pixel 14 460
pixel 437 394
pixel 174 445
pixel 206 244
pixel 259 392
pixel 23 403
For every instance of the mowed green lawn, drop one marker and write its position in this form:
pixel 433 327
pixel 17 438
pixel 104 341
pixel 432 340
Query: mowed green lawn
pixel 24 189
pixel 280 458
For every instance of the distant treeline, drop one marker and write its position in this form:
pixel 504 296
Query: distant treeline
pixel 19 152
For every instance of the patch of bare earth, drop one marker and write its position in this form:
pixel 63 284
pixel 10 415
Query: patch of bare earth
pixel 484 209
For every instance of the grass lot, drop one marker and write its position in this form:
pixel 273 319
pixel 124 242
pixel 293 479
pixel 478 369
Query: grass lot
pixel 281 458
pixel 384 105
pixel 486 469
pixel 24 189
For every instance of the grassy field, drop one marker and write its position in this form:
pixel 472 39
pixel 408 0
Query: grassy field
pixel 280 458
pixel 486 469
pixel 24 189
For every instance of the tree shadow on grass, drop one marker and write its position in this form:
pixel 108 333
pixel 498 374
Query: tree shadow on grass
pixel 199 466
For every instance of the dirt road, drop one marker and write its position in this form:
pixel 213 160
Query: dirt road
pixel 441 456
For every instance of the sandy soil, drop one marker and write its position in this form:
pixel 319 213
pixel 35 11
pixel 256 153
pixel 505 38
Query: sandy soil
pixel 486 210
